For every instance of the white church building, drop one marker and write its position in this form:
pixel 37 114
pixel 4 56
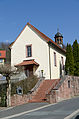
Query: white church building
pixel 38 54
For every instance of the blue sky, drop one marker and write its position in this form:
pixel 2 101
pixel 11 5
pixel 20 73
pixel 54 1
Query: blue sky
pixel 46 15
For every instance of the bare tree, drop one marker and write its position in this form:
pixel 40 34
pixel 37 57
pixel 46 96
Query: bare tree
pixel 4 45
pixel 7 71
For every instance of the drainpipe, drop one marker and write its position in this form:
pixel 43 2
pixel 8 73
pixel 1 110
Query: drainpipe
pixel 49 61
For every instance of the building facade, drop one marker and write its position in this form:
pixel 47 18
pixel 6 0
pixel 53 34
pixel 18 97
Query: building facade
pixel 2 57
pixel 38 54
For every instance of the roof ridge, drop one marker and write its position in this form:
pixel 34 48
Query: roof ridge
pixel 45 37
pixel 41 34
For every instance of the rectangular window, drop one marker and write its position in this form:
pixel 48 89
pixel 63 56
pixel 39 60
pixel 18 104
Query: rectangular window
pixel 62 63
pixel 0 54
pixel 29 50
pixel 69 84
pixel 55 59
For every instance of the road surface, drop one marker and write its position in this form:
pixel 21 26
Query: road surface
pixel 42 110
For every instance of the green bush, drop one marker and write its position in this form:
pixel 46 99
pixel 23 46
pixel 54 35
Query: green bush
pixel 26 84
pixel 3 94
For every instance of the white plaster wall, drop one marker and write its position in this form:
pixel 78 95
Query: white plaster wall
pixel 55 70
pixel 40 51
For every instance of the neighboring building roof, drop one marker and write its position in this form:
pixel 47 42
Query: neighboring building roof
pixel 27 62
pixel 42 35
pixel 2 54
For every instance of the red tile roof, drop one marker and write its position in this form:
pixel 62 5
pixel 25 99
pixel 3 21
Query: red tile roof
pixel 2 54
pixel 42 35
pixel 27 62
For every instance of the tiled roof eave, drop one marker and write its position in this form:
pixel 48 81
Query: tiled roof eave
pixel 2 57
pixel 26 63
pixel 50 42
pixel 47 39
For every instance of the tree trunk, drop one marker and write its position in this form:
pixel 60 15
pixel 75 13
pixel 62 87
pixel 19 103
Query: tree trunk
pixel 8 101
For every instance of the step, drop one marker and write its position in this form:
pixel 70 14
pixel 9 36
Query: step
pixel 41 91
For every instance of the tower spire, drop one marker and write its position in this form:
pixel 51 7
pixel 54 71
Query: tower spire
pixel 58 38
pixel 57 29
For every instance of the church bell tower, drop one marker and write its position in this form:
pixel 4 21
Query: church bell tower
pixel 58 38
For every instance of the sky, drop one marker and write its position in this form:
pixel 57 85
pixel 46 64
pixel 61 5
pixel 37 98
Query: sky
pixel 45 15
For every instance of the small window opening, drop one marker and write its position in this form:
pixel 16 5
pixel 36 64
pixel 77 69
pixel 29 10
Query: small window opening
pixel 69 84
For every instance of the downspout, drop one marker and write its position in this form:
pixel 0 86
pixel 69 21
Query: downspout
pixel 49 62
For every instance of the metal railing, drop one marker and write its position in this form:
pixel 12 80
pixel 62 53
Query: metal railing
pixel 56 83
pixel 37 85
pixel 52 86
pixel 33 90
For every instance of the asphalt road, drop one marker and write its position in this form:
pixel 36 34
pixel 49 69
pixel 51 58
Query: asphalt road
pixel 56 111
pixel 19 109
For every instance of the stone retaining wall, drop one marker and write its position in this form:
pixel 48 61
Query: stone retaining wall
pixel 19 99
pixel 59 93
pixel 64 91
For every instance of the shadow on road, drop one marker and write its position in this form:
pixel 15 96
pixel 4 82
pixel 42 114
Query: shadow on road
pixel 77 117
